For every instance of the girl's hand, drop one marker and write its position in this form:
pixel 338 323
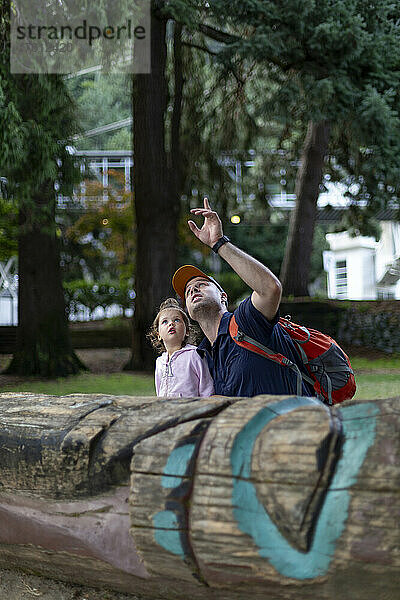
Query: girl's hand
pixel 211 231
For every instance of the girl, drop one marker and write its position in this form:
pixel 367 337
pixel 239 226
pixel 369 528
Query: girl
pixel 179 370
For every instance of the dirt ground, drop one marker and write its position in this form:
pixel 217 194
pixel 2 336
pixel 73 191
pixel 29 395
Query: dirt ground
pixel 107 360
pixel 21 586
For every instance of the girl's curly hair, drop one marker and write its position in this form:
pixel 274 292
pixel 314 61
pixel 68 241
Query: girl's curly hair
pixel 152 334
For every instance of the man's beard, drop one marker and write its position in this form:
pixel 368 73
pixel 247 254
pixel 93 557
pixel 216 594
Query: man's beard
pixel 204 310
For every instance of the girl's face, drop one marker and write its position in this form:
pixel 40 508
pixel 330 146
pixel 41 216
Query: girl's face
pixel 171 328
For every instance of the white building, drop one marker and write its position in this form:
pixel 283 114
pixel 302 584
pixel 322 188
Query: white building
pixel 359 268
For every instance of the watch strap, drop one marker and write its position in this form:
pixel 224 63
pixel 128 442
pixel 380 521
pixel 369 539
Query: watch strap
pixel 222 240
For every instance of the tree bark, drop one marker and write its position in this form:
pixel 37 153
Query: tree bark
pixel 209 499
pixel 155 199
pixel 43 344
pixel 175 172
pixel 296 263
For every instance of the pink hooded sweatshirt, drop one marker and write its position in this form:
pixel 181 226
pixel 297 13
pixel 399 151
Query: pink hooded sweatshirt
pixel 184 375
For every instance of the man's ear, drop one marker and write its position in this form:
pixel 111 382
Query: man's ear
pixel 224 298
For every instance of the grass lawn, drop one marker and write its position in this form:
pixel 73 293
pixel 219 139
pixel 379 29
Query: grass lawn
pixel 364 364
pixel 374 386
pixel 119 384
pixel 375 379
pixel 378 378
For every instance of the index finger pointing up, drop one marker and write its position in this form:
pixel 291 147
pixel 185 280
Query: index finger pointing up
pixel 206 203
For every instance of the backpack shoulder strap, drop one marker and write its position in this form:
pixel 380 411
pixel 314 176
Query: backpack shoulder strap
pixel 249 343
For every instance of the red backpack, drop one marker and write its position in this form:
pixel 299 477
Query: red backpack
pixel 329 367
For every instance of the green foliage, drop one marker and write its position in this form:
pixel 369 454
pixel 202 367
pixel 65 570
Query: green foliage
pixel 336 61
pixel 218 114
pixel 44 119
pixel 319 245
pixel 99 242
pixel 37 119
pixel 280 65
pixel 223 119
pixel 8 229
pixel 10 119
pixel 358 220
pixel 264 241
pixel 102 99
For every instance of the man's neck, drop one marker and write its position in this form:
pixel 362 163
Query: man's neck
pixel 210 325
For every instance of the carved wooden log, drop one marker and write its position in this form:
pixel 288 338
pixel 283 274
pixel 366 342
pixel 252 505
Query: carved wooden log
pixel 218 498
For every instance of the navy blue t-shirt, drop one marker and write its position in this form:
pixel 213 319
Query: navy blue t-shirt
pixel 237 371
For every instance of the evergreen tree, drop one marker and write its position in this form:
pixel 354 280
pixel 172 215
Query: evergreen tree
pixel 101 99
pixel 333 65
pixel 37 114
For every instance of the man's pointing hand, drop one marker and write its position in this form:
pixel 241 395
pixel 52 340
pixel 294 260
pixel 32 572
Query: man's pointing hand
pixel 211 231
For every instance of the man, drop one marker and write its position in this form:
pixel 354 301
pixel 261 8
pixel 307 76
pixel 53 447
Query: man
pixel 237 371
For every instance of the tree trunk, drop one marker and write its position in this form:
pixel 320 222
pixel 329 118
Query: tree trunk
pixel 209 499
pixel 155 198
pixel 296 263
pixel 176 167
pixel 43 343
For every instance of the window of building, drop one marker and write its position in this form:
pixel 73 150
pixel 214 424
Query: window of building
pixel 386 294
pixel 341 279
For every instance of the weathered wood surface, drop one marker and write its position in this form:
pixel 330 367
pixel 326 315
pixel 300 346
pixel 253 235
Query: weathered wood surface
pixel 217 498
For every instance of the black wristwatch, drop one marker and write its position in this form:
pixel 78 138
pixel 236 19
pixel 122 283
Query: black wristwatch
pixel 222 240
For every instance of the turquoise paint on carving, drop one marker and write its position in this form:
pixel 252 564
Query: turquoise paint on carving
pixel 165 522
pixel 356 425
pixel 177 465
pixel 167 534
pixel 252 517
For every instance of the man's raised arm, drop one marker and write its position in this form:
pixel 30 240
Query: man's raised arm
pixel 267 289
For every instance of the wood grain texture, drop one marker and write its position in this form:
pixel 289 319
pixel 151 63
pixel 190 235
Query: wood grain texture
pixel 239 521
pixel 287 475
pixel 211 499
pixel 160 495
pixel 77 445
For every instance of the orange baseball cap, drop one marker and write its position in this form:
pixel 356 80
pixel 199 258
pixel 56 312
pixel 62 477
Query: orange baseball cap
pixel 185 274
